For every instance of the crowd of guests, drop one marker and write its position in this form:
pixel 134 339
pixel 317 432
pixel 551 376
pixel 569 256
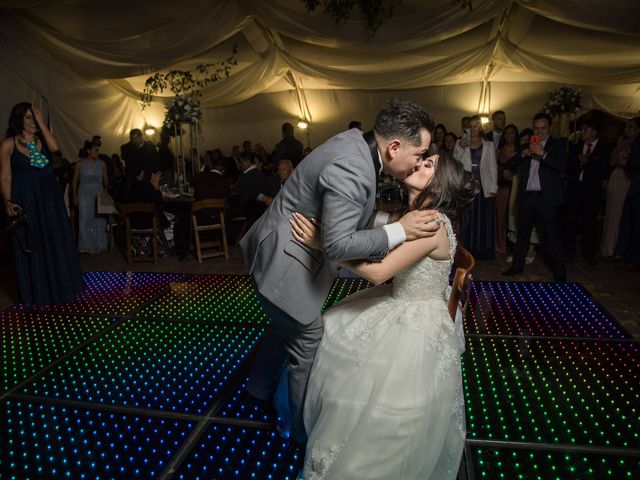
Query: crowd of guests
pixel 540 189
pixel 535 189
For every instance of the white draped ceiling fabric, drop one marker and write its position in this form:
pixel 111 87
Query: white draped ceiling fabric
pixel 89 60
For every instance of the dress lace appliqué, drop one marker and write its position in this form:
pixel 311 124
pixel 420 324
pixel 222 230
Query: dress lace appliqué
pixel 320 460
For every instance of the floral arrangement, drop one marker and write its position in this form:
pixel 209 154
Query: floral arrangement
pixel 181 109
pixel 564 99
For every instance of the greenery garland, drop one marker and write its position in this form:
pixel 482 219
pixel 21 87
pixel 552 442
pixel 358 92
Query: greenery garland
pixel 184 82
pixel 374 12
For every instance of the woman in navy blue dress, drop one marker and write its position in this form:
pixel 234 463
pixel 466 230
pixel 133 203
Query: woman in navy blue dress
pixel 45 253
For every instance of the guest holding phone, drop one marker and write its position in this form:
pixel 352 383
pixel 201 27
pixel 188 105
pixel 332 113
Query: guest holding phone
pixel 45 253
pixel 541 194
pixel 477 156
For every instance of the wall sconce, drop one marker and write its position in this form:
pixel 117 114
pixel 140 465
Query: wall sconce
pixel 149 131
pixel 484 119
pixel 303 124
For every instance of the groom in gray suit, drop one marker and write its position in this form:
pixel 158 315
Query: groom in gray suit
pixel 335 184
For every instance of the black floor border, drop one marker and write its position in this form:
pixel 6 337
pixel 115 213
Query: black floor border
pixel 142 412
pixel 554 338
pixel 555 447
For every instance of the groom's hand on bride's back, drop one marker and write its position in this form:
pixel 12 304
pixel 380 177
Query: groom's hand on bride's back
pixel 420 224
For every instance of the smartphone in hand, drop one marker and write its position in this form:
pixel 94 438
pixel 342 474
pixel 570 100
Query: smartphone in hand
pixel 535 139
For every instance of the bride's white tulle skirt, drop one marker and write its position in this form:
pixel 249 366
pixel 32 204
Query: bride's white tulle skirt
pixel 385 398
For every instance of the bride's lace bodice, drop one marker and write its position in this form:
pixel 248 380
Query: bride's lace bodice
pixel 427 278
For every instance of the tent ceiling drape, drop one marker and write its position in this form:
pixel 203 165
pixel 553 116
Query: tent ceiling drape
pixel 90 58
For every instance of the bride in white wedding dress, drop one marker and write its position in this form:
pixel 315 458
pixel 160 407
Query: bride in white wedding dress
pixel 384 399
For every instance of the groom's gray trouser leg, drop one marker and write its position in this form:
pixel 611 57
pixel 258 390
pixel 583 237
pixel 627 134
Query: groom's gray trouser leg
pixel 286 337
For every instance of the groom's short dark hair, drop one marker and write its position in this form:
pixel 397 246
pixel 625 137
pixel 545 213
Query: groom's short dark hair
pixel 403 119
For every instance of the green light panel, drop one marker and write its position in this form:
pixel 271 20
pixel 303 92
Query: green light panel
pixel 171 366
pixel 343 287
pixel 512 464
pixel 33 340
pixel 228 298
pixel 210 298
pixel 553 391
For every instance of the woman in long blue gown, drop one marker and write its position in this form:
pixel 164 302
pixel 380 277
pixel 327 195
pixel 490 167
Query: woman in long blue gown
pixel 47 265
pixel 89 179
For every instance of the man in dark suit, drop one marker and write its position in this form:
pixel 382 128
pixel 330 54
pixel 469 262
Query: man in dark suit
pixel 289 147
pixel 139 154
pixel 498 120
pixel 232 165
pixel 248 188
pixel 274 184
pixel 541 194
pixel 629 240
pixel 587 168
pixel 211 183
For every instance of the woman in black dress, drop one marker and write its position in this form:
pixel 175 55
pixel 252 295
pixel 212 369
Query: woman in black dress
pixel 45 252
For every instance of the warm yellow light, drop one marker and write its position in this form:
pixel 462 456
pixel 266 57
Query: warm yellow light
pixel 302 124
pixel 484 120
pixel 150 131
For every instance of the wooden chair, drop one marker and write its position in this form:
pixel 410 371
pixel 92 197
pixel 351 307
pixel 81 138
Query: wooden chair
pixel 151 210
pixel 464 263
pixel 216 207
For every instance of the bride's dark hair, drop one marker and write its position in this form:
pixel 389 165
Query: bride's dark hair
pixel 450 190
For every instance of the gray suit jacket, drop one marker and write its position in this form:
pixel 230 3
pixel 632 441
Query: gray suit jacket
pixel 336 183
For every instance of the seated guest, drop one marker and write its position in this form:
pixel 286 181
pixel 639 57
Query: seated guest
pixel 232 166
pixel 274 184
pixel 248 187
pixel 211 184
pixel 143 191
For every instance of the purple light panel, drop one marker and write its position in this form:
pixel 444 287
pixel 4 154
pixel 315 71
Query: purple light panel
pixel 538 309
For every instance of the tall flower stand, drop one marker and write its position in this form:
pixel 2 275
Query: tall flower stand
pixel 192 147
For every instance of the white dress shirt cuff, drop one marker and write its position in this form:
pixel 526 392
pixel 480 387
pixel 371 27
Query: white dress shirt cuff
pixel 380 219
pixel 395 234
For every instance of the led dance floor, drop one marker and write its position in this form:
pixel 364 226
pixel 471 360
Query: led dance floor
pixel 141 378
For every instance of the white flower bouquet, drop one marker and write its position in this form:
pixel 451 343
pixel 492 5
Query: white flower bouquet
pixel 564 99
pixel 182 109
